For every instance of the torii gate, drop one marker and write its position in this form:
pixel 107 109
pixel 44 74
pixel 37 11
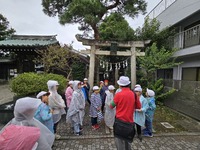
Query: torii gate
pixel 132 45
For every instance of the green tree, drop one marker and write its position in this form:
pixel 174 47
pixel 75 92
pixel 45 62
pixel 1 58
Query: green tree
pixel 57 58
pixel 5 30
pixel 115 27
pixel 151 31
pixel 89 14
pixel 153 60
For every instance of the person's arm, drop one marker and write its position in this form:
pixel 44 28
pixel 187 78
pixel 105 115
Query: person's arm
pixel 113 104
pixel 145 105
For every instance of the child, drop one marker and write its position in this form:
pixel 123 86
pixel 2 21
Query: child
pixel 76 110
pixel 139 115
pixel 149 113
pixel 109 113
pixel 56 103
pixel 43 112
pixel 95 106
pixel 68 93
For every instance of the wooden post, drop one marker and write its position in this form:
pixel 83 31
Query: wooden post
pixel 92 66
pixel 133 67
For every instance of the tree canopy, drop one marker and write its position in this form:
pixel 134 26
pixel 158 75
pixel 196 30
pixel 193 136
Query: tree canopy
pixel 151 31
pixel 89 14
pixel 5 29
pixel 116 28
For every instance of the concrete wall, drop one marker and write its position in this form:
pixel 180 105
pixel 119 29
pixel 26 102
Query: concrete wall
pixel 178 11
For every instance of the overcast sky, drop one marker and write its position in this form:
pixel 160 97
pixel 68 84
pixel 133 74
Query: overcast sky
pixel 27 17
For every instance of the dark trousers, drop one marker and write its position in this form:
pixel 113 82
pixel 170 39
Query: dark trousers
pixel 139 131
pixel 93 120
pixel 88 101
pixel 55 127
pixel 103 104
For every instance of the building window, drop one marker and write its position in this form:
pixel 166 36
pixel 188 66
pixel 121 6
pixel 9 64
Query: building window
pixel 191 74
pixel 165 73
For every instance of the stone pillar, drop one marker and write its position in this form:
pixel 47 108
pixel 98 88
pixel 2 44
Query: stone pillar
pixel 91 67
pixel 133 67
pixel 116 76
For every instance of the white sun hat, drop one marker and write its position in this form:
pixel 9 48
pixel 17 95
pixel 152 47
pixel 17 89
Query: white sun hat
pixel 41 94
pixel 85 79
pixel 123 81
pixel 151 93
pixel 95 88
pixel 111 87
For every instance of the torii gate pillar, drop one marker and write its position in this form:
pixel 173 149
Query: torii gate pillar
pixel 133 67
pixel 92 66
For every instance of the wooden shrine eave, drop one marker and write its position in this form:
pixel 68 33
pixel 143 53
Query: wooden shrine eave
pixel 118 53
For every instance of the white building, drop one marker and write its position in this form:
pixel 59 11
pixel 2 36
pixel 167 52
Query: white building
pixel 184 15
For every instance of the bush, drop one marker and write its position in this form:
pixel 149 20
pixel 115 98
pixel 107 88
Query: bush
pixel 31 83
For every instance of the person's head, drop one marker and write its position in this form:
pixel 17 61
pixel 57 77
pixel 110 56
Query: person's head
pixel 77 85
pixel 101 83
pixel 52 85
pixel 123 81
pixel 71 84
pixel 96 89
pixel 150 93
pixel 111 88
pixel 25 108
pixel 85 80
pixel 106 82
pixel 44 96
pixel 138 91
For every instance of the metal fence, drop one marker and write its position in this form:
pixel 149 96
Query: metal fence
pixel 158 9
pixel 187 38
pixel 186 99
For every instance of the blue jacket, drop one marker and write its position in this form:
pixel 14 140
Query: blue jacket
pixel 139 116
pixel 42 114
pixel 152 107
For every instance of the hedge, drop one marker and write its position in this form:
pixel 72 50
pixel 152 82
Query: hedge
pixel 31 83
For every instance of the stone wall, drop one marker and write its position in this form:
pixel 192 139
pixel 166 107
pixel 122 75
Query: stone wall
pixel 186 99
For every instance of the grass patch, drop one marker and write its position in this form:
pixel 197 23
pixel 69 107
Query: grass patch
pixel 164 114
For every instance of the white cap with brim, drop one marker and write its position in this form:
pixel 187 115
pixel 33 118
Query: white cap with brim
pixel 138 89
pixel 95 88
pixel 41 94
pixel 111 87
pixel 150 93
pixel 123 81
pixel 71 82
pixel 137 85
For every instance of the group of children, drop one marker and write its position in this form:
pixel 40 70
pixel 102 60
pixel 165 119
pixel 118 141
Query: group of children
pixel 50 111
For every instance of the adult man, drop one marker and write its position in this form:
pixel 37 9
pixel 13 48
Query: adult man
pixel 86 86
pixel 125 102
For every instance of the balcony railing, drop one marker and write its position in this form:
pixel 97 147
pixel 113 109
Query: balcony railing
pixel 158 9
pixel 187 38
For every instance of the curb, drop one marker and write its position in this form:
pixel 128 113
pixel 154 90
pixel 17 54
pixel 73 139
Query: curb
pixel 111 136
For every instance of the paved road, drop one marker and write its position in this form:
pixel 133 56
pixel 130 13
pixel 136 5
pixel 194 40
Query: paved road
pixel 155 143
pixel 5 94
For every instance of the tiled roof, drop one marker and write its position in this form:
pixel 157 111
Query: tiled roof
pixel 29 40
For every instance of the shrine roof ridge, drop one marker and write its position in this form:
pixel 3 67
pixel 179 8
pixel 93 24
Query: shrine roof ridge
pixel 29 40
